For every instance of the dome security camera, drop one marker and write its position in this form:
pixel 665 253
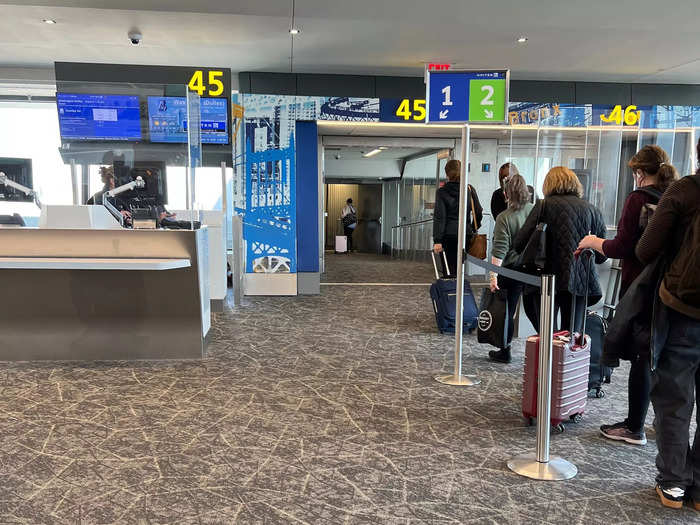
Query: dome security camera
pixel 135 37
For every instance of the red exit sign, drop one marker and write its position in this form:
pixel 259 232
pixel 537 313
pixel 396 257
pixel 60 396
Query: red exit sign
pixel 435 66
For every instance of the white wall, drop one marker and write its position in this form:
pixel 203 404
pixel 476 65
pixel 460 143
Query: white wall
pixel 360 168
pixel 30 131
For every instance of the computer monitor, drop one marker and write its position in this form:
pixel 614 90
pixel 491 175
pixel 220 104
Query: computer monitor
pixel 153 174
pixel 20 171
pixel 586 178
pixel 96 117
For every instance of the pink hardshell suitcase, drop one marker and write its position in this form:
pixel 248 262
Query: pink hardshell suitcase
pixel 570 367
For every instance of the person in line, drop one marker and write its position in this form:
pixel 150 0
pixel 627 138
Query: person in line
pixel 498 200
pixel 446 216
pixel 349 219
pixel 674 234
pixel 569 219
pixel 499 203
pixel 507 226
pixel 653 174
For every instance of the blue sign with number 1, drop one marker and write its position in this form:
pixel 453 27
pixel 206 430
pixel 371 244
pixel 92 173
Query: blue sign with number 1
pixel 467 96
pixel 448 98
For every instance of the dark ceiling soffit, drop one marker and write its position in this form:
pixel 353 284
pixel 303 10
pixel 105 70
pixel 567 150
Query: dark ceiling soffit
pixel 520 90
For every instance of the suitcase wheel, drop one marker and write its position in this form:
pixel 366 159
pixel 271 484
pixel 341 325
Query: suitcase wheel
pixel 529 421
pixel 559 429
pixel 577 418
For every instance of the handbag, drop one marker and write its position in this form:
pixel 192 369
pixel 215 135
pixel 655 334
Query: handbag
pixel 350 218
pixel 493 319
pixel 534 257
pixel 477 247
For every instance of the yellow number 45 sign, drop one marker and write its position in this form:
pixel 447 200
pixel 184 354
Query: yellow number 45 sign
pixel 630 117
pixel 214 86
pixel 404 110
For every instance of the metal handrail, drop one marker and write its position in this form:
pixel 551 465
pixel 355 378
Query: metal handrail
pixel 412 223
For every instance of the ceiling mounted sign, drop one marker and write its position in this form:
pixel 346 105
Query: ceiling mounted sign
pixel 461 96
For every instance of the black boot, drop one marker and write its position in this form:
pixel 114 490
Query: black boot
pixel 502 356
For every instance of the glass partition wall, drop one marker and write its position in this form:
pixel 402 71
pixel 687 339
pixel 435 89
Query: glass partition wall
pixel 597 154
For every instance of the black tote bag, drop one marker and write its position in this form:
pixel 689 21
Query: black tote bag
pixel 534 257
pixel 493 319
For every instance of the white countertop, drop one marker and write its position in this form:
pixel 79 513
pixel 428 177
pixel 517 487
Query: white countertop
pixel 90 263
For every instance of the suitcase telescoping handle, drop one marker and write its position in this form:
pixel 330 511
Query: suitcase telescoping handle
pixel 447 266
pixel 582 341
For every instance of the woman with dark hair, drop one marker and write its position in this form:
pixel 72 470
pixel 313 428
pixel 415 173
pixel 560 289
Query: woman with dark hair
pixel 507 226
pixel 349 218
pixel 653 173
pixel 446 216
pixel 498 199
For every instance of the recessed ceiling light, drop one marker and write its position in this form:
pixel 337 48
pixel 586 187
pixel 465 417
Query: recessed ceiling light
pixel 522 39
pixel 50 21
pixel 294 31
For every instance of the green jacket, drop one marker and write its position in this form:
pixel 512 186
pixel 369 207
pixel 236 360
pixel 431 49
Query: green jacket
pixel 508 223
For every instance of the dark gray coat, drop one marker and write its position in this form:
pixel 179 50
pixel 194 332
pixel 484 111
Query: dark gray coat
pixel 569 219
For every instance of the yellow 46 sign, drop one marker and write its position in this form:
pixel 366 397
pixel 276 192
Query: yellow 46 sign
pixel 631 116
pixel 214 86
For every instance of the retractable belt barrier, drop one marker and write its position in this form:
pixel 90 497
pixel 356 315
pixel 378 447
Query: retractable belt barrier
pixel 522 277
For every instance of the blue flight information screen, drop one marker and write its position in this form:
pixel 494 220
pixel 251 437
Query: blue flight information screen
pixel 99 117
pixel 167 120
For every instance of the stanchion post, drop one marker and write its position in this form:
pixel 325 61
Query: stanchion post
pixel 540 465
pixel 224 202
pixel 457 379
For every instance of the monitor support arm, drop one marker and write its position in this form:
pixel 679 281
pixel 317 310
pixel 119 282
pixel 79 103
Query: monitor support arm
pixel 4 180
pixel 138 183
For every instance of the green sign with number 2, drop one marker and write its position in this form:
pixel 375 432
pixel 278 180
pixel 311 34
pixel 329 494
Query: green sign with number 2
pixel 486 100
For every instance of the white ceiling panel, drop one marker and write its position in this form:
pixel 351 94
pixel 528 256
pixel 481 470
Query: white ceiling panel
pixel 597 40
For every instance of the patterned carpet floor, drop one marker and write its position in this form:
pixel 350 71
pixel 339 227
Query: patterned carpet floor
pixel 317 410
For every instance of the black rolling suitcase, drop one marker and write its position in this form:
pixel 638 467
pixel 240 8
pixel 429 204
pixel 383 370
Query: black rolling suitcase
pixel 597 328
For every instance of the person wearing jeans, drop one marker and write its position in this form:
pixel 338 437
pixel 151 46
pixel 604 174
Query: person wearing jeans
pixel 675 385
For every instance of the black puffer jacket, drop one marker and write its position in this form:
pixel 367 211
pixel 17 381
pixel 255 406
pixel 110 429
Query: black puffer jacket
pixel 446 215
pixel 569 219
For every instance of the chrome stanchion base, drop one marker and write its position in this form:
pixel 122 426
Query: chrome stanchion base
pixel 557 469
pixel 451 379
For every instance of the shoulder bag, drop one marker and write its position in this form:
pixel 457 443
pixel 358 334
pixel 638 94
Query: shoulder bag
pixel 534 257
pixel 477 248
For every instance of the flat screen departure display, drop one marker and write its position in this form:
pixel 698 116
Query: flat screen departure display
pixel 167 120
pixel 99 117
